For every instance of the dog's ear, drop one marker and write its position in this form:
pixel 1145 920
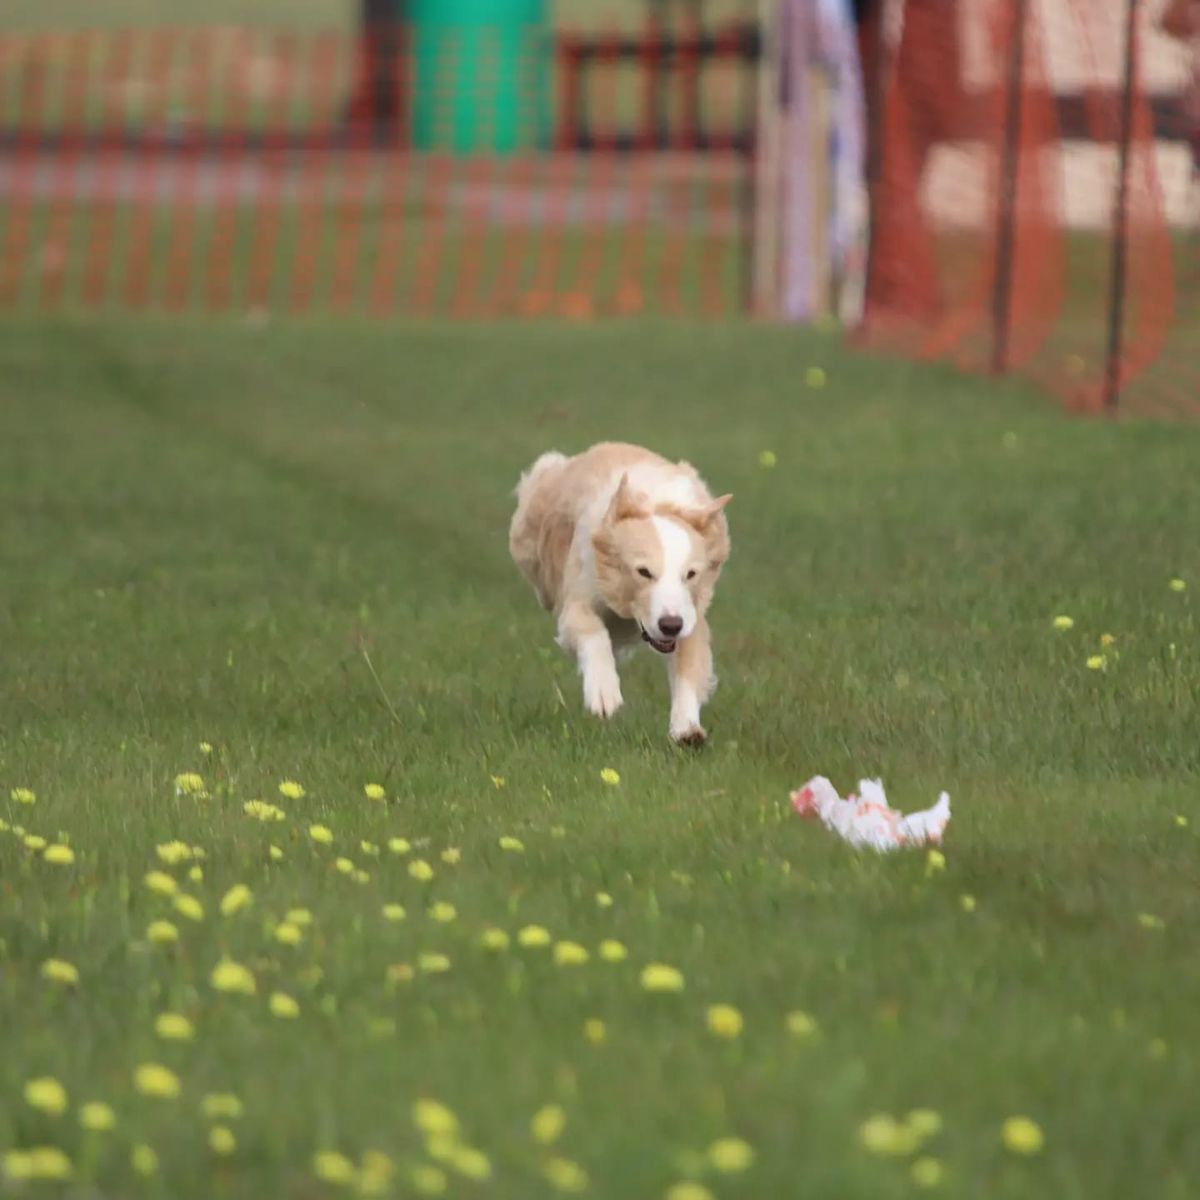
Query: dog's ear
pixel 701 518
pixel 624 505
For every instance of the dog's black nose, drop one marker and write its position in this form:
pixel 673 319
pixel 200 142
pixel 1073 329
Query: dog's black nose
pixel 670 626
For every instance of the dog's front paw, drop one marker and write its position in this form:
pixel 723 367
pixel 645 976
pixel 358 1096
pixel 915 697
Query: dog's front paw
pixel 602 692
pixel 689 735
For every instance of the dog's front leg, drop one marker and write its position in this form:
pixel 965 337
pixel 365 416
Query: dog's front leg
pixel 582 633
pixel 690 670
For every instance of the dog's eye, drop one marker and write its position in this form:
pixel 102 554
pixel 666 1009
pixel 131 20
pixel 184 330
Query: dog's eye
pixel 691 574
pixel 644 573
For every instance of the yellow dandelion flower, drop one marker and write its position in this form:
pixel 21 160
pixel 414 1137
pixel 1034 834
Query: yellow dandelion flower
pixel 299 916
pixel 174 1027
pixel 689 1189
pixel 49 1162
pixel 433 964
pixel 613 951
pixel 173 853
pixel 883 1134
pixel 604 900
pixel 206 748
pixel 432 1118
pixel 609 776
pixel 23 795
pixel 374 791
pixel 221 1140
pixel 189 906
pixel 1064 623
pixel 927 1172
pixel 1021 1135
pixel 515 845
pixel 97 1117
pixel 369 849
pixel 470 1163
pixel 443 912
pixel 428 1180
pixel 815 377
pixel 399 845
pixel 276 853
pixel 18 1164
pixel 162 932
pixel 153 1079
pixel 47 1095
pixel 731 1154
pixel 34 842
pixel 967 902
pixel 331 1167
pixel 570 954
pixel 659 977
pixel 58 970
pixel 767 459
pixel 533 936
pixel 288 934
pixel 143 1159
pixel 498 781
pixel 935 861
pixel 283 1006
pixel 394 912
pixel 595 1030
pixel 289 789
pixel 238 897
pixel 189 784
pixel 451 856
pixel 221 1106
pixel 1178 585
pixel 260 810
pixel 924 1122
pixel 1181 821
pixel 161 882
pixel 59 855
pixel 1107 639
pixel 345 866
pixel 196 875
pixel 724 1020
pixel 400 973
pixel 321 834
pixel 230 976
pixel 565 1175
pixel 494 939
pixel 1097 662
pixel 800 1024
pixel 547 1124
pixel 420 870
pixel 1151 921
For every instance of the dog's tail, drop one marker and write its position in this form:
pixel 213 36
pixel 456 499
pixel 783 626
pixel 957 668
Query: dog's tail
pixel 552 458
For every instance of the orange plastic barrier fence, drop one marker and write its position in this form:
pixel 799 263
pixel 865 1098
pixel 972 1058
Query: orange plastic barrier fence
pixel 1035 199
pixel 274 171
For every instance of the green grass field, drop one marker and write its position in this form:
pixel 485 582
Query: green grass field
pixel 289 543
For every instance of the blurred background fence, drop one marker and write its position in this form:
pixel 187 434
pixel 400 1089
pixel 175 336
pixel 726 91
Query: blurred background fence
pixel 1030 168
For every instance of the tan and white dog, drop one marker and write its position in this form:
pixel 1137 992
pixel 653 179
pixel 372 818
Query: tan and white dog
pixel 622 545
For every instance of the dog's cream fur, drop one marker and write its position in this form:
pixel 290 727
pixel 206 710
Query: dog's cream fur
pixel 624 546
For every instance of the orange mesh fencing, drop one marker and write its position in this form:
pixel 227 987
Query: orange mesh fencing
pixel 1035 199
pixel 269 171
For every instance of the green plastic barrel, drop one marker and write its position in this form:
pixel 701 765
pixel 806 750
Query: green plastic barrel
pixel 481 75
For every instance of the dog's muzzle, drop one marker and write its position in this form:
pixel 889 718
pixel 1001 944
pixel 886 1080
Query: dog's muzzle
pixel 662 645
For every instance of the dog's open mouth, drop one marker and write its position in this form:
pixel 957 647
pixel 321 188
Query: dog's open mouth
pixel 662 645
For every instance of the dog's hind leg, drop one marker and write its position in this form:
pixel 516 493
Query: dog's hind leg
pixel 581 632
pixel 690 670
